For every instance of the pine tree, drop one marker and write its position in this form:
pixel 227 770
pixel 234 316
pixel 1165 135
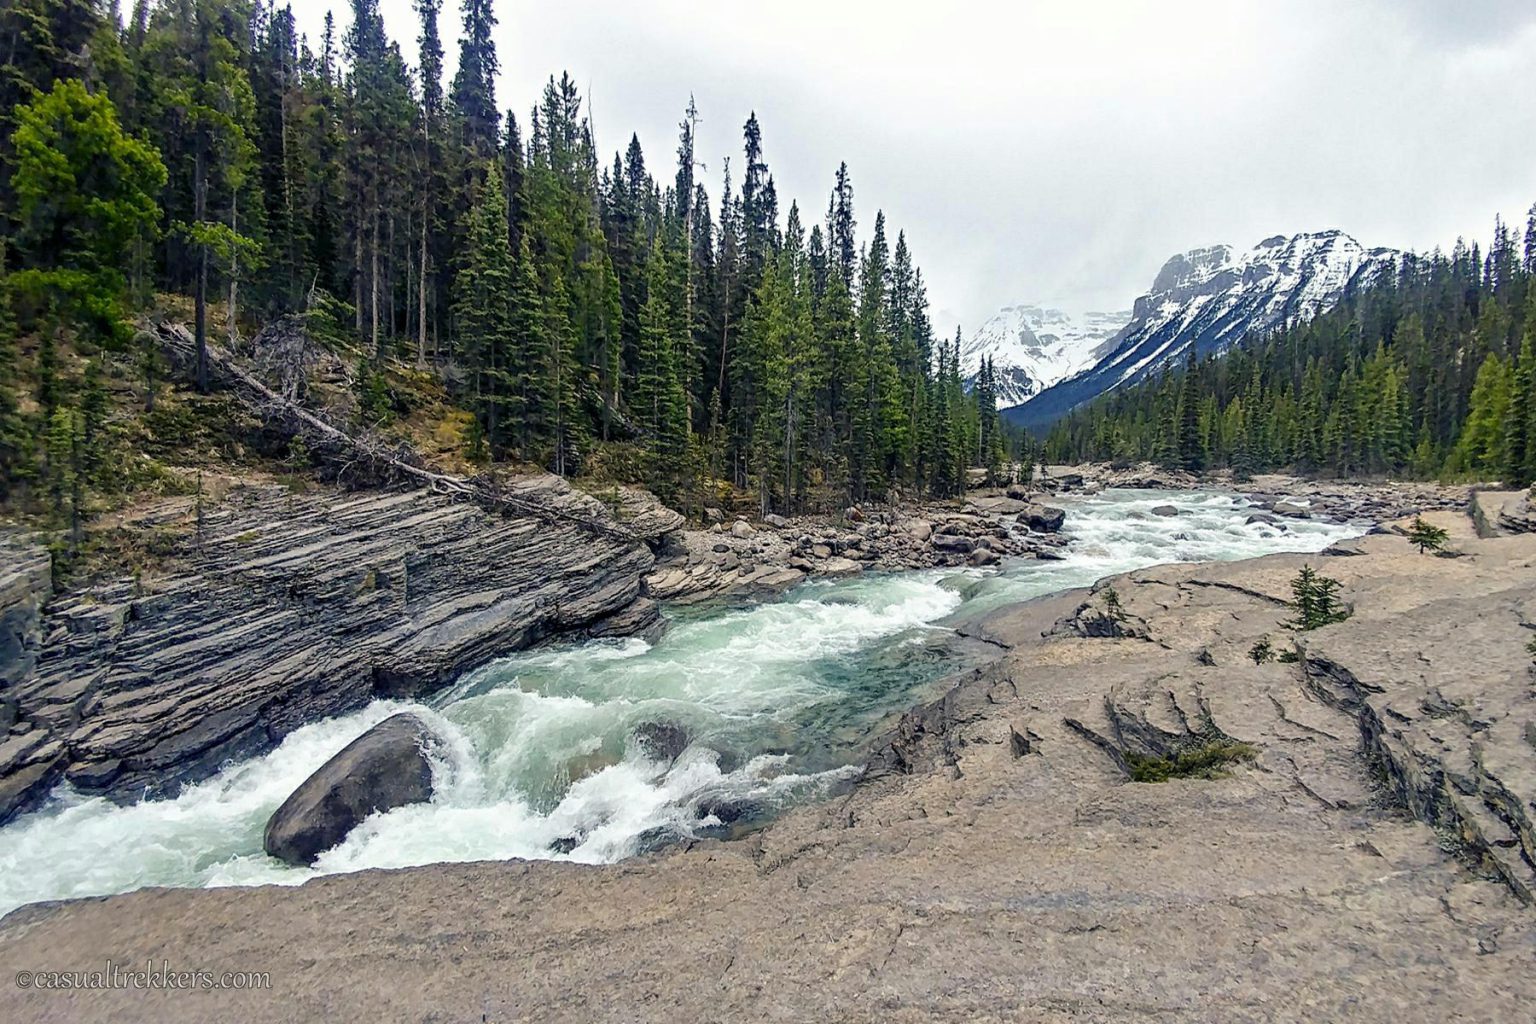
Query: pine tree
pixel 1518 416
pixel 660 405
pixel 474 83
pixel 14 443
pixel 1479 450
pixel 430 177
pixel 85 196
pixel 483 307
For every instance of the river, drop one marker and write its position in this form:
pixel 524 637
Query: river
pixel 780 702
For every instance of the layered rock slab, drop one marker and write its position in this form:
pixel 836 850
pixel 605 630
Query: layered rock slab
pixel 287 608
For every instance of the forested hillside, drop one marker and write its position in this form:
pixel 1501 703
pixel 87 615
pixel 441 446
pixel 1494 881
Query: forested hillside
pixel 200 157
pixel 1430 373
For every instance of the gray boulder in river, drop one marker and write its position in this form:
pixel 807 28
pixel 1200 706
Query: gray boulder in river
pixel 1043 518
pixel 384 768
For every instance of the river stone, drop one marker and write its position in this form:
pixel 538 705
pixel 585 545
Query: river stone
pixel 1043 518
pixel 741 530
pixel 384 768
pixel 776 521
pixel 662 741
pixel 1295 509
pixel 1164 510
pixel 949 542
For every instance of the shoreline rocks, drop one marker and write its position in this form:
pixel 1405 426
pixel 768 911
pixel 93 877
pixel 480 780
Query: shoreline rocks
pixel 31 758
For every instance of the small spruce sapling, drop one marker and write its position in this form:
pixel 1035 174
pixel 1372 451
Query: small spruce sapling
pixel 1426 536
pixel 1261 652
pixel 1316 600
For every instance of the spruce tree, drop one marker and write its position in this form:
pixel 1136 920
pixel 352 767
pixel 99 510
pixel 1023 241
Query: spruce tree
pixel 474 83
pixel 483 307
pixel 85 197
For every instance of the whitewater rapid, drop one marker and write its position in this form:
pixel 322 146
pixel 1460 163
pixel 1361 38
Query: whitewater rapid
pixel 779 702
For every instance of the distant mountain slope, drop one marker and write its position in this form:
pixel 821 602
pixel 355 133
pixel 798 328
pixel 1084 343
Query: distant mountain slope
pixel 1211 298
pixel 1033 347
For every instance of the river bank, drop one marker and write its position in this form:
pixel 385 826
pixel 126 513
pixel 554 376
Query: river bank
pixel 997 863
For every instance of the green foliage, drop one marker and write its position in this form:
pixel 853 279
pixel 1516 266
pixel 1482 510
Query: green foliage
pixel 1426 536
pixel 1200 759
pixel 1261 652
pixel 84 198
pixel 591 319
pixel 375 400
pixel 1315 600
pixel 1419 374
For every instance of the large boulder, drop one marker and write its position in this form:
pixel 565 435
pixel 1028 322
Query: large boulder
pixel 1043 518
pixel 384 768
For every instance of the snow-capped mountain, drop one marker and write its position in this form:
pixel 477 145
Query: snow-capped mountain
pixel 1212 298
pixel 1033 347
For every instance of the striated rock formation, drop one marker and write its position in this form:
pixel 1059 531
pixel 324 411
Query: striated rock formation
pixel 384 768
pixel 285 608
pixel 1446 698
pixel 31 757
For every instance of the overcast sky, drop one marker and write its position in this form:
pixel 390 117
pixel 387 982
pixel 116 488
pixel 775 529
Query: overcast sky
pixel 1058 152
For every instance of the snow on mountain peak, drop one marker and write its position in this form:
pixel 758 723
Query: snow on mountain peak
pixel 1033 347
pixel 1210 298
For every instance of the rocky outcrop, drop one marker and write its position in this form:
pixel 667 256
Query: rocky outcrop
pixel 384 768
pixel 1336 500
pixel 286 608
pixel 741 560
pixel 1497 512
pixel 661 741
pixel 1446 698
pixel 31 757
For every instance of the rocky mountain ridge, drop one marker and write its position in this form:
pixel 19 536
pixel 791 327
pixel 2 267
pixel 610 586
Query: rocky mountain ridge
pixel 1211 298
pixel 1033 347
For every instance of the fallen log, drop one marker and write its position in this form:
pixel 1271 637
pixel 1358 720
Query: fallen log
pixel 397 463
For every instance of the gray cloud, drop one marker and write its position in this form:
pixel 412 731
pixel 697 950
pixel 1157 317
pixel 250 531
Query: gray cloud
pixel 1059 153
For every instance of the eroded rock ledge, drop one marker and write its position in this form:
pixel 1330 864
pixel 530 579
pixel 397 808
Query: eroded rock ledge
pixel 285 608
